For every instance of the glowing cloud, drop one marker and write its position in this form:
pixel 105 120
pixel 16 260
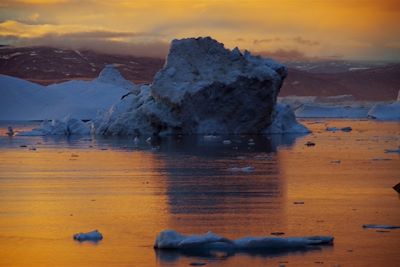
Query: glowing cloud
pixel 354 29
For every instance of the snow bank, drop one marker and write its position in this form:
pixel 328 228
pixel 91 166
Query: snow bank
pixel 23 100
pixel 284 121
pixel 170 239
pixel 385 111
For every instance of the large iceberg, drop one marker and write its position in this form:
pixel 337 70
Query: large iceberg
pixel 204 88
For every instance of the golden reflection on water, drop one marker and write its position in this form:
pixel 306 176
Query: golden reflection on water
pixel 48 194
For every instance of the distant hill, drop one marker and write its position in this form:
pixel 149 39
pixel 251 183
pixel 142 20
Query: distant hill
pixel 378 83
pixel 46 65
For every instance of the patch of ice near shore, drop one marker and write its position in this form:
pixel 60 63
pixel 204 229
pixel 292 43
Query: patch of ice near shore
pixel 66 126
pixel 284 121
pixel 385 111
pixel 170 239
pixel 93 236
pixel 341 107
pixel 319 110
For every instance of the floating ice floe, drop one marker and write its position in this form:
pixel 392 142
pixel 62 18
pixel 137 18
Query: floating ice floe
pixel 397 188
pixel 10 131
pixel 335 129
pixel 243 169
pixel 93 236
pixel 211 137
pixel 380 226
pixel 392 151
pixel 170 239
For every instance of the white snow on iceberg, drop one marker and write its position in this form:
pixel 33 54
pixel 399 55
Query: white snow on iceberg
pixel 385 111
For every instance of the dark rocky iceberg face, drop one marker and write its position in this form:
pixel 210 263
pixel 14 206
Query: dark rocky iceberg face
pixel 210 89
pixel 203 88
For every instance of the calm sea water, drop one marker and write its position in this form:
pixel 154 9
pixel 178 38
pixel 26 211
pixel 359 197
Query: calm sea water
pixel 130 192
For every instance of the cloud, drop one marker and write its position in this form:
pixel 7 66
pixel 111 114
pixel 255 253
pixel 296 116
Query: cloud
pixel 99 34
pixel 32 2
pixel 140 44
pixel 267 40
pixel 284 55
pixel 300 40
pixel 144 49
pixel 393 45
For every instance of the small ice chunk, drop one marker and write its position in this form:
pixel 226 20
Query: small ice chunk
pixel 392 151
pixel 197 264
pixel 227 142
pixel 243 169
pixel 346 129
pixel 332 129
pixel 309 143
pixel 210 137
pixel 10 131
pixel 380 226
pixel 93 236
pixel 397 188
pixel 335 129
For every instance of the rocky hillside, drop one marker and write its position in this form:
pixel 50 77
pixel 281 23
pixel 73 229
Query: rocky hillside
pixel 46 65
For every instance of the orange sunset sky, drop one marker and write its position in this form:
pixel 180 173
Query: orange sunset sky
pixel 346 29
